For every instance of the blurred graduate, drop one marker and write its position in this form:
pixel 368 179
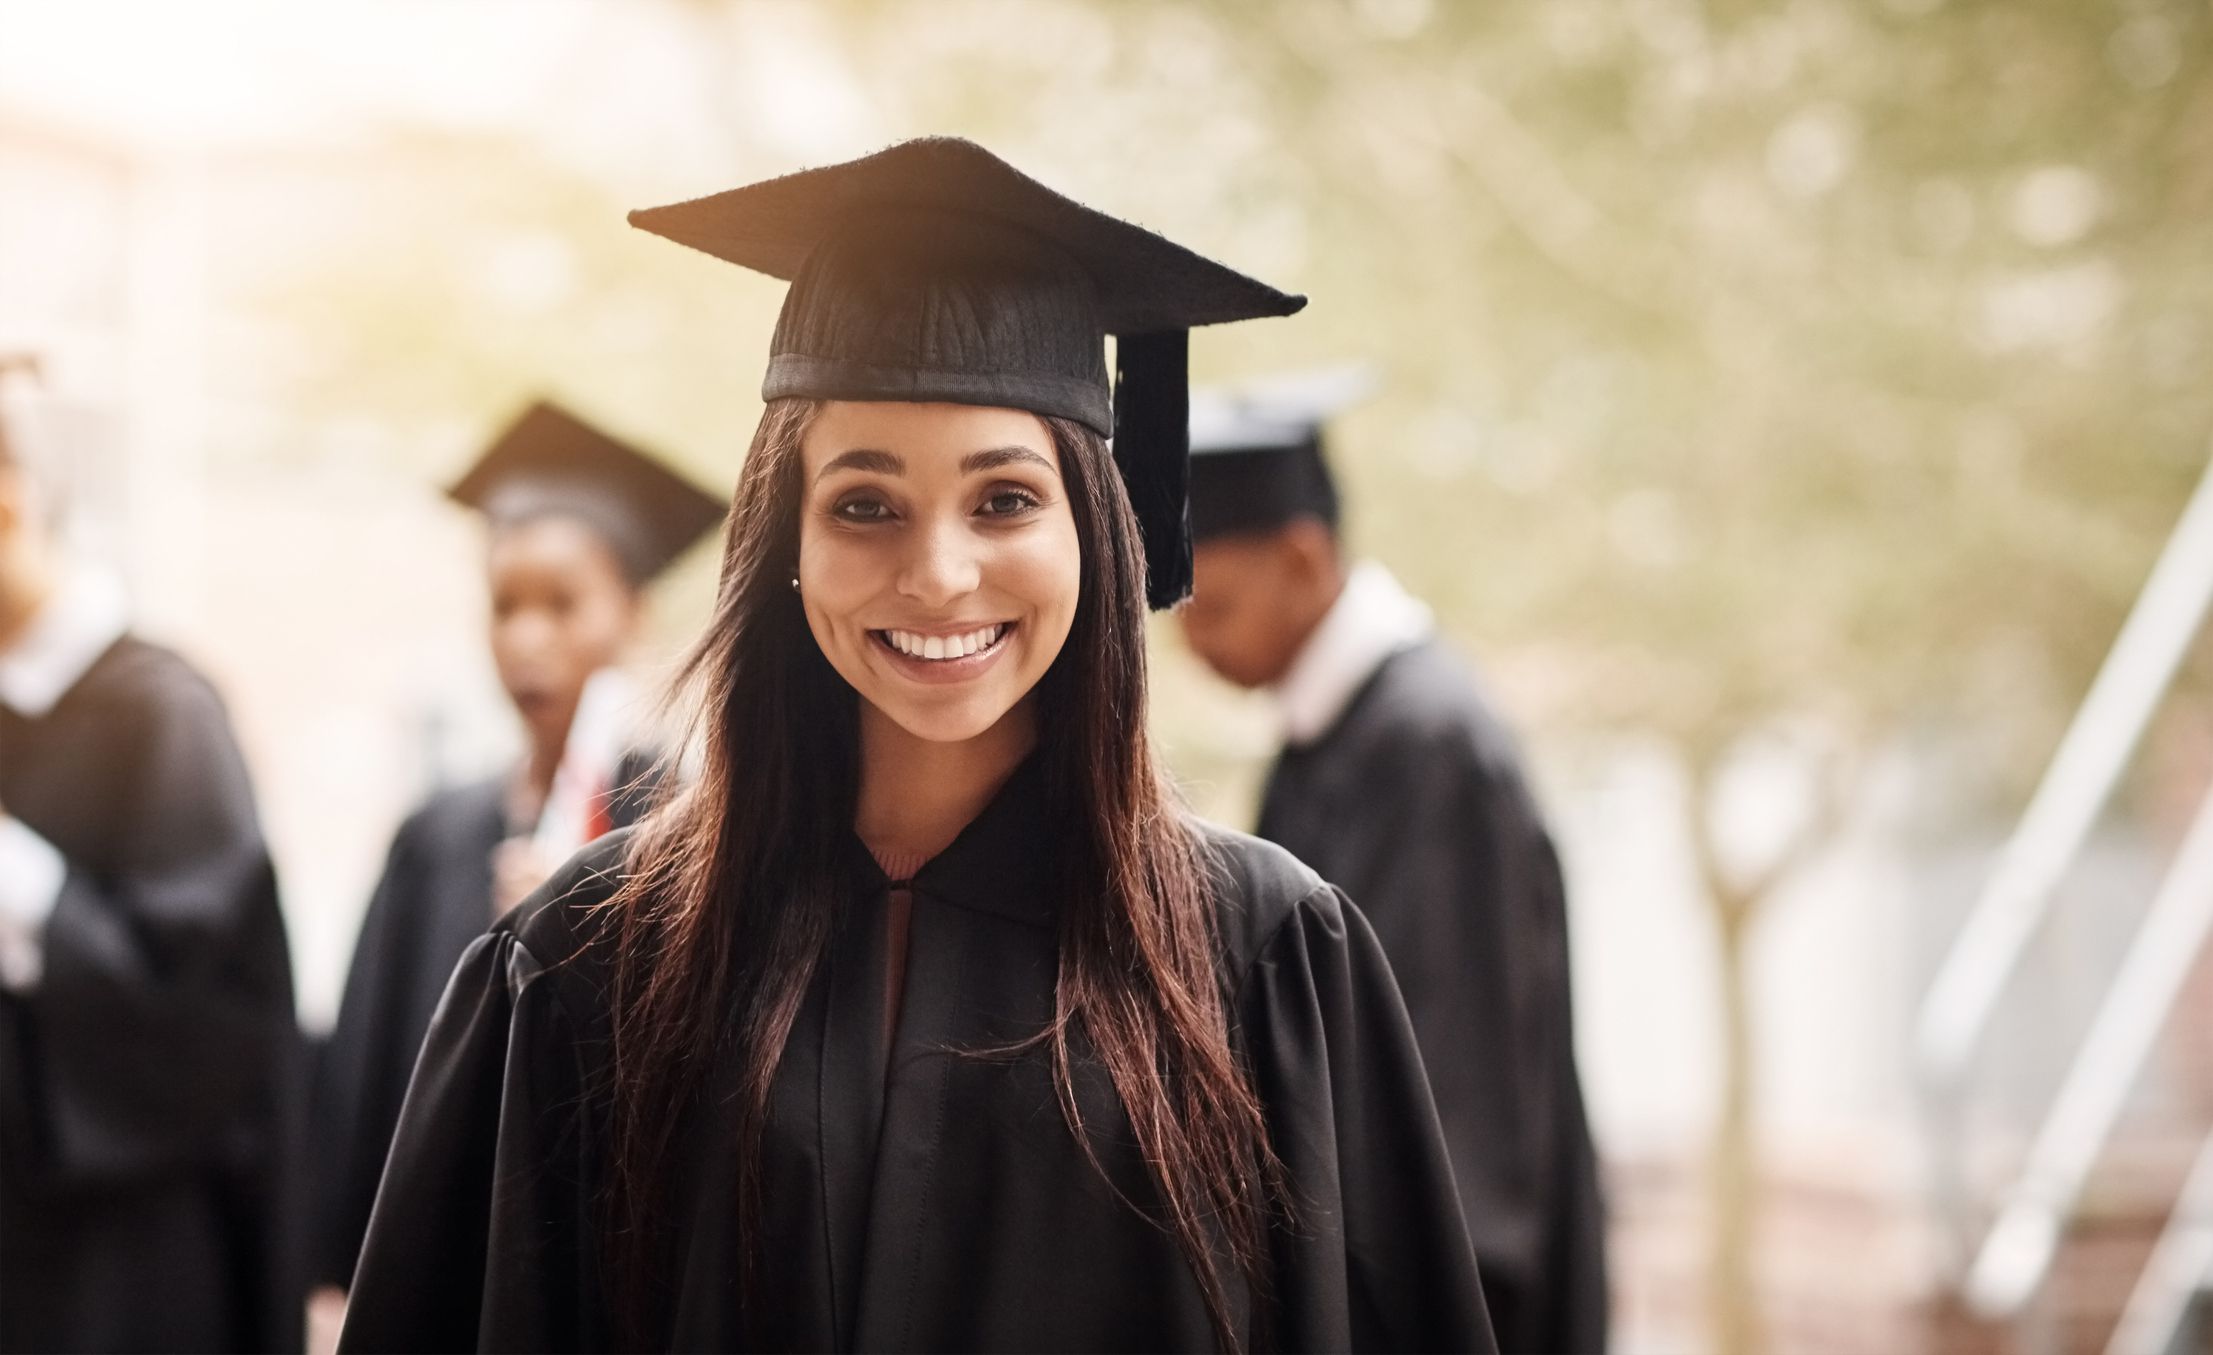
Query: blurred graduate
pixel 149 1059
pixel 579 525
pixel 923 1017
pixel 1399 786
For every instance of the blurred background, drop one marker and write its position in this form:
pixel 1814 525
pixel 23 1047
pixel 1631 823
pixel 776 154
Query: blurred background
pixel 1784 404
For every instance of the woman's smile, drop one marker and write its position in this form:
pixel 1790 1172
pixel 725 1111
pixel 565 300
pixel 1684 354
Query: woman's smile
pixel 943 656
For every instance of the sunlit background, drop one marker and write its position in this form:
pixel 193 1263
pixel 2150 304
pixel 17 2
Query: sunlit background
pixel 1784 404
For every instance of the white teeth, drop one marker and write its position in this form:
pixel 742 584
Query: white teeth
pixel 941 647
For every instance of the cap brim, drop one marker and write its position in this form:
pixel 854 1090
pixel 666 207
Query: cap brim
pixel 1146 283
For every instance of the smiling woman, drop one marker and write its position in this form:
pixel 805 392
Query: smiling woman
pixel 925 1018
pixel 938 561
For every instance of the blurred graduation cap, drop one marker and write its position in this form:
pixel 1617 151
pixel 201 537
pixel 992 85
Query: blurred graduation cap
pixel 550 462
pixel 935 271
pixel 1257 460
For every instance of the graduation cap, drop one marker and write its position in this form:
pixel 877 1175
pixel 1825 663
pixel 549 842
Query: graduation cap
pixel 935 271
pixel 1257 459
pixel 549 461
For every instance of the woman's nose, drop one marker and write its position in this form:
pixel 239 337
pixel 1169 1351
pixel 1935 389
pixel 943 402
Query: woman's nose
pixel 942 566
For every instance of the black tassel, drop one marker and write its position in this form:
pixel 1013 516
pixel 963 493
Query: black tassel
pixel 1152 448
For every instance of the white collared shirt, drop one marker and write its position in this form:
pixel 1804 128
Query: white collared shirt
pixel 65 639
pixel 1372 619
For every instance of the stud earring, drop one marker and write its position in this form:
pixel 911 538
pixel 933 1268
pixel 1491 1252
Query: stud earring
pixel 795 583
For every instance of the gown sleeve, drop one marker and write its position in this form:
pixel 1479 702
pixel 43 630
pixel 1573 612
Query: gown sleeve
pixel 1477 918
pixel 353 1110
pixel 481 1234
pixel 166 994
pixel 1376 1256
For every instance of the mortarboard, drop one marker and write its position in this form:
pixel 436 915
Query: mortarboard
pixel 549 461
pixel 1257 460
pixel 935 271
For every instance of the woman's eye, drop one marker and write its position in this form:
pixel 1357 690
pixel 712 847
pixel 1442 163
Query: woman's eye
pixel 1007 503
pixel 862 510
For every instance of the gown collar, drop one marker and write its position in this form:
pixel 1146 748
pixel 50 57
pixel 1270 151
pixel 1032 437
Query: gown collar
pixel 1000 863
pixel 1372 619
pixel 68 636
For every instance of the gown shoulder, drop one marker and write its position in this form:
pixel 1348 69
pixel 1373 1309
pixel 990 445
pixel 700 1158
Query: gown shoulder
pixel 1379 1257
pixel 1426 707
pixel 482 1236
pixel 1258 888
pixel 561 927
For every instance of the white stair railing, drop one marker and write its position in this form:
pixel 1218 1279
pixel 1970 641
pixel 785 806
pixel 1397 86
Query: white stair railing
pixel 2091 757
pixel 2004 1267
pixel 2179 1273
pixel 2018 1251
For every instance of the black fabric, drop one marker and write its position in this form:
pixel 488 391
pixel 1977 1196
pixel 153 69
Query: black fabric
pixel 434 898
pixel 935 271
pixel 549 461
pixel 1415 803
pixel 150 1083
pixel 1151 446
pixel 1258 461
pixel 1260 489
pixel 930 305
pixel 946 1206
pixel 1144 282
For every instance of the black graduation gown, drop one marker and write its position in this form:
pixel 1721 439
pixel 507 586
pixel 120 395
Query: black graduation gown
pixel 1414 803
pixel 944 1206
pixel 149 1085
pixel 434 898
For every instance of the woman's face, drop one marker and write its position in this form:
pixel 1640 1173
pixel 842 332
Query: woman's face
pixel 561 611
pixel 938 559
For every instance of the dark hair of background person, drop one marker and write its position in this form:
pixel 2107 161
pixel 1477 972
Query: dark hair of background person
pixel 731 897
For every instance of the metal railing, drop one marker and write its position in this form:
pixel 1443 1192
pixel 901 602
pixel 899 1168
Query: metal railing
pixel 2019 1247
pixel 2180 1269
pixel 2091 757
pixel 2004 1267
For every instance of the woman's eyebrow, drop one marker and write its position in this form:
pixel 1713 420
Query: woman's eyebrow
pixel 863 459
pixel 997 457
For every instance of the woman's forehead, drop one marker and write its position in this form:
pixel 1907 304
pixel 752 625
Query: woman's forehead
pixel 921 438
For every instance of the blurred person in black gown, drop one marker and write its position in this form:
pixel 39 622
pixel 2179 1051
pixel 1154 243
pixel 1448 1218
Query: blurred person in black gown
pixel 923 1017
pixel 149 1059
pixel 1401 787
pixel 579 525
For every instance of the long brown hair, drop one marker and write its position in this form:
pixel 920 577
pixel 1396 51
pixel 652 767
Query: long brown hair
pixel 734 885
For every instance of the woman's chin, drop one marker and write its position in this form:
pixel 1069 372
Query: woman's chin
pixel 945 718
pixel 957 723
